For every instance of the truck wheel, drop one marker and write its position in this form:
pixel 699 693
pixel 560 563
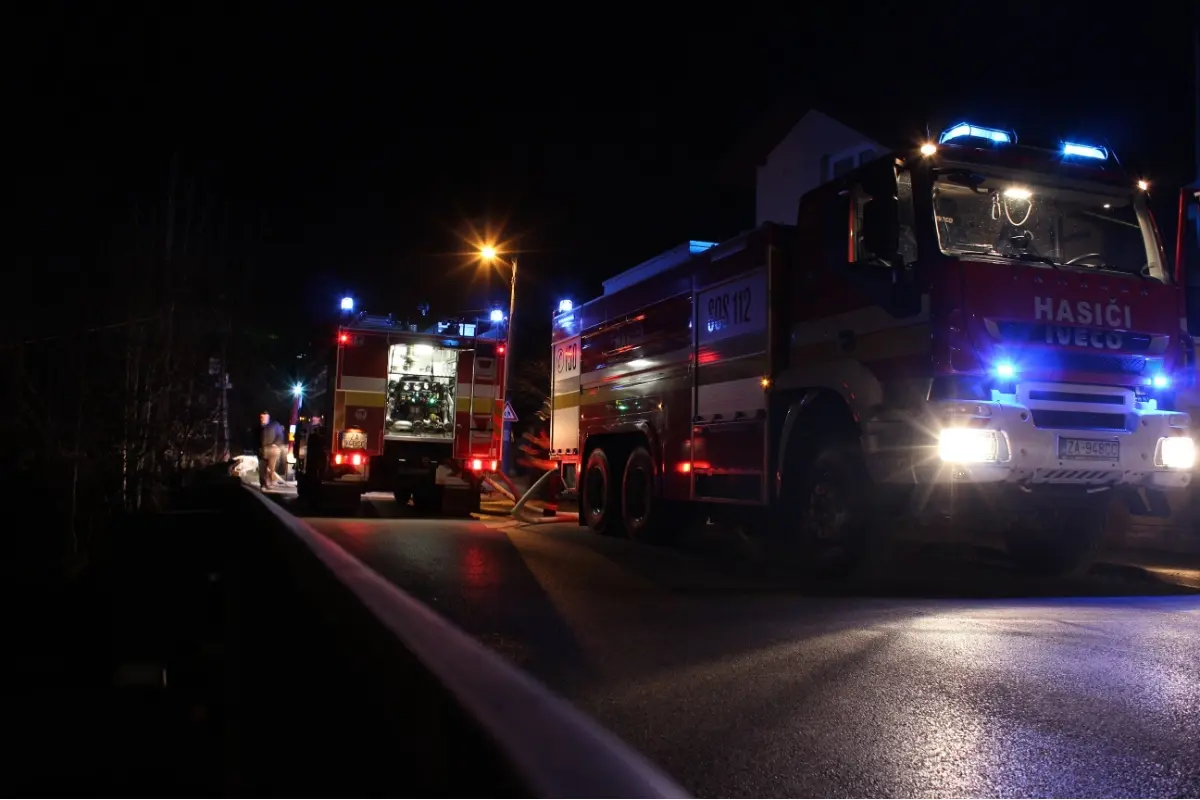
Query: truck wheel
pixel 830 510
pixel 641 499
pixel 1056 541
pixel 600 495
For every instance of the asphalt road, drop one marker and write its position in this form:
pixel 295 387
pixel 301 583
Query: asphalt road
pixel 938 673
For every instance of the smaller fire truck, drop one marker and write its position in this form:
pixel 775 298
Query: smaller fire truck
pixel 972 328
pixel 417 412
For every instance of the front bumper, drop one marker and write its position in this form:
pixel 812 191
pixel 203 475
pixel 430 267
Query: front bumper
pixel 1026 439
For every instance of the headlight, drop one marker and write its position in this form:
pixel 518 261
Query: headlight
pixel 1177 452
pixel 968 446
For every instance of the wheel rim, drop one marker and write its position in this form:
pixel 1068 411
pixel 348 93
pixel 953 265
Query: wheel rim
pixel 595 492
pixel 637 495
pixel 826 510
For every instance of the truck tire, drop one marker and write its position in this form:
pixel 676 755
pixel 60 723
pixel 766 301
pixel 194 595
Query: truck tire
pixel 641 498
pixel 828 510
pixel 600 495
pixel 1057 541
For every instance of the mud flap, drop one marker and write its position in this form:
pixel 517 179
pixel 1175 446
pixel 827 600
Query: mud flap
pixel 1143 502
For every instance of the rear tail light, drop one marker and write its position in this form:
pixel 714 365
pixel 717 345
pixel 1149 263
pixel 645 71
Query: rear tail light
pixel 477 464
pixel 356 459
pixel 337 458
pixel 353 459
pixel 493 465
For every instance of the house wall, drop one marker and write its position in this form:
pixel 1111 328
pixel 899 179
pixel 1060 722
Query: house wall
pixel 816 149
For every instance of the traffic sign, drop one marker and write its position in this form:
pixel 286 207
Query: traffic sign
pixel 509 414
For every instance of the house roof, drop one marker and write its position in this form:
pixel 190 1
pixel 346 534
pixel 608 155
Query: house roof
pixel 890 127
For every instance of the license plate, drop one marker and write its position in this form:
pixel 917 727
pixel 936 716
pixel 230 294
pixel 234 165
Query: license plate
pixel 1089 449
pixel 354 440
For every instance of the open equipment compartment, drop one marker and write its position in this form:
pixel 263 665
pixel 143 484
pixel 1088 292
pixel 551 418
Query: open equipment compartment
pixel 421 391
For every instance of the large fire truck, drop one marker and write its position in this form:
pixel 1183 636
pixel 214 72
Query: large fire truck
pixel 1187 249
pixel 976 327
pixel 417 411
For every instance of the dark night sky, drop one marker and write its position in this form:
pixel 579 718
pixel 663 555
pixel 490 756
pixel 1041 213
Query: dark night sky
pixel 348 150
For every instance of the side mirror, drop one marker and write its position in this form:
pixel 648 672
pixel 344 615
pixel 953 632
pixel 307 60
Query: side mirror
pixel 881 227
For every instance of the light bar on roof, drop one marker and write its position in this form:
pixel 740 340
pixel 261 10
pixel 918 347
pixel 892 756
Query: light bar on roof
pixel 965 130
pixel 1084 151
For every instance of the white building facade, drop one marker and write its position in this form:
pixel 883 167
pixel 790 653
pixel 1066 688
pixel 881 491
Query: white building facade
pixel 816 149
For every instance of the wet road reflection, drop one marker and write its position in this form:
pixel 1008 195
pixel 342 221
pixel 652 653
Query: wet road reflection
pixel 744 682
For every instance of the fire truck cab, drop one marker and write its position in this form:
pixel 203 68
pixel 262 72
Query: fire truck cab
pixel 417 412
pixel 974 328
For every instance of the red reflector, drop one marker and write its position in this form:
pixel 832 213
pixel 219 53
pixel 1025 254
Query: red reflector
pixel 477 464
pixel 337 458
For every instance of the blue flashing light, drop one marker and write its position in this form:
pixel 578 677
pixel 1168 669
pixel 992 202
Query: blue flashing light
pixel 700 247
pixel 1005 370
pixel 564 306
pixel 964 130
pixel 1084 151
pixel 1160 381
pixel 497 315
pixel 347 303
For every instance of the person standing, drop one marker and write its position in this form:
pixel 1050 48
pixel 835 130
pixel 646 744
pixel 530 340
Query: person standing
pixel 274 442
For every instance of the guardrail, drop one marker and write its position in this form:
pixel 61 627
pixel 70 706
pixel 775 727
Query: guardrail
pixel 349 686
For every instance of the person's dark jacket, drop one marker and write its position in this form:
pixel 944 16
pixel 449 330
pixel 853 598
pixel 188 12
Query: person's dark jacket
pixel 272 434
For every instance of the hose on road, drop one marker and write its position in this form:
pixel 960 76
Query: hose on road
pixel 518 510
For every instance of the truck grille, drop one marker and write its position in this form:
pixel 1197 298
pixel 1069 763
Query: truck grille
pixel 1096 363
pixel 1079 420
pixel 1077 397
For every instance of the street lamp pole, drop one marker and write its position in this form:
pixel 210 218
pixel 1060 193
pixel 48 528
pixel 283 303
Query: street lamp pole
pixel 506 453
pixel 489 254
pixel 512 305
pixel 293 423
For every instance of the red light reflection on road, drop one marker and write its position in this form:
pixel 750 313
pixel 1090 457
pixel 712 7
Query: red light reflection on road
pixel 478 569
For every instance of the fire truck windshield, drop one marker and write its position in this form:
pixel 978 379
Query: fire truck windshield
pixel 1030 217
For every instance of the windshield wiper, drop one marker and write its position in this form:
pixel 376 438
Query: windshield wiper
pixel 1143 273
pixel 1031 257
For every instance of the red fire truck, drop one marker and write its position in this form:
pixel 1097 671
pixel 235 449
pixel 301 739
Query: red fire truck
pixel 416 412
pixel 976 327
